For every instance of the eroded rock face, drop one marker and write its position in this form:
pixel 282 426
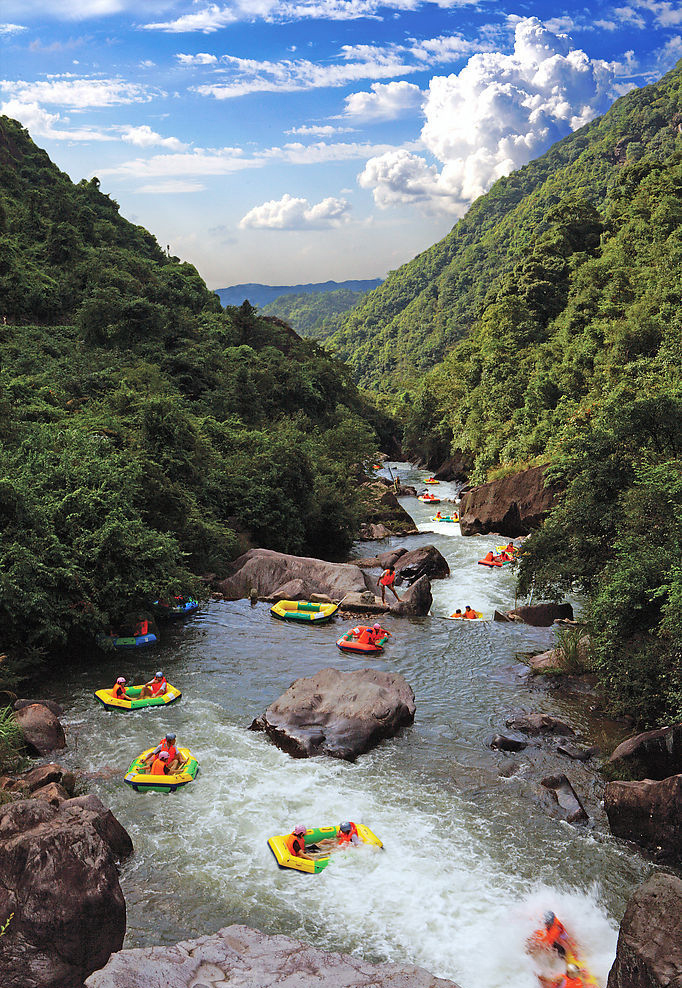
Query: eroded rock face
pixel 512 506
pixel 652 755
pixel 415 601
pixel 273 574
pixel 425 561
pixel 382 508
pixel 456 467
pixel 340 714
pixel 40 728
pixel 649 813
pixel 240 956
pixel 649 953
pixel 568 805
pixel 540 615
pixel 58 876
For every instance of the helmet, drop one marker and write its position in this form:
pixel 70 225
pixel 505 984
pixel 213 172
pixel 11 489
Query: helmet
pixel 377 626
pixel 299 829
pixel 572 970
pixel 158 675
pixel 163 755
pixel 548 918
pixel 120 680
pixel 170 737
pixel 344 828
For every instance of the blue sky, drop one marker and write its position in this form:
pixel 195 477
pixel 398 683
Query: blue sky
pixel 287 141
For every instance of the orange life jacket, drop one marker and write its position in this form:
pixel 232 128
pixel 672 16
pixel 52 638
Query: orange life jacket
pixel 170 748
pixel 295 844
pixel 346 838
pixel 469 613
pixel 567 982
pixel 158 767
pixel 387 578
pixel 489 556
pixel 156 686
pixel 119 691
pixel 366 637
pixel 554 935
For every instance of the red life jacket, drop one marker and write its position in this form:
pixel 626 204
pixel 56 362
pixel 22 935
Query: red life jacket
pixel 489 556
pixel 158 767
pixel 366 637
pixel 141 628
pixel 387 578
pixel 170 748
pixel 346 838
pixel 156 686
pixel 295 844
pixel 119 692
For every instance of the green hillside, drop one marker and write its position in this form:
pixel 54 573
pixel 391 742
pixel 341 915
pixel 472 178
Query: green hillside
pixel 411 322
pixel 146 436
pixel 316 315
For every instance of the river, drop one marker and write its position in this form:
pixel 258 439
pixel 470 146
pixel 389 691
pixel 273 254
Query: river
pixel 469 860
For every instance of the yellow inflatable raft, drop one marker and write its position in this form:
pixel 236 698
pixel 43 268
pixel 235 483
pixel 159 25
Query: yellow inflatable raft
pixel 303 610
pixel 143 781
pixel 133 700
pixel 312 838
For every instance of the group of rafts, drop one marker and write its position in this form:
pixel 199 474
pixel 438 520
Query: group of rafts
pixel 149 771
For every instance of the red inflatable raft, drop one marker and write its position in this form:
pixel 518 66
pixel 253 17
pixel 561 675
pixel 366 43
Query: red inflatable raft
pixel 349 642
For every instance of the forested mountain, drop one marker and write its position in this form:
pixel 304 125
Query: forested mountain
pixel 316 315
pixel 413 319
pixel 146 436
pixel 259 295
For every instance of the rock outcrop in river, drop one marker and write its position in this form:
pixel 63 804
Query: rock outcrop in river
pixel 649 951
pixel 652 755
pixel 278 574
pixel 41 729
pixel 384 515
pixel 512 506
pixel 409 566
pixel 649 813
pixel 340 714
pixel 240 956
pixel 58 876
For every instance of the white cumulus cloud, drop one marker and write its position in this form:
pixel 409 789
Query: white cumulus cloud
pixel 291 213
pixel 495 115
pixel 385 101
pixel 76 93
pixel 40 123
pixel 399 176
pixel 144 137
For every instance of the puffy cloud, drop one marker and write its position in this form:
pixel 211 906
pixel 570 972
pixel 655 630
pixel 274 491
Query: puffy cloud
pixel 398 177
pixel 495 115
pixel 76 93
pixel 207 20
pixel 666 14
pixel 199 161
pixel 385 101
pixel 40 123
pixel 145 137
pixel 626 15
pixel 290 213
pixel 202 58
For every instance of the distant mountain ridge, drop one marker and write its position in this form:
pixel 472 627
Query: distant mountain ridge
pixel 264 294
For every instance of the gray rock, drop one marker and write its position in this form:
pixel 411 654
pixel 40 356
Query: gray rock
pixel 576 753
pixel 504 743
pixel 269 572
pixel 415 601
pixel 340 714
pixel 649 953
pixel 43 775
pixel 569 806
pixel 52 705
pixel 246 958
pixel 40 728
pixel 536 723
pixel 652 755
pixel 540 615
pixel 425 561
pixel 53 792
pixel 512 505
pixel 649 813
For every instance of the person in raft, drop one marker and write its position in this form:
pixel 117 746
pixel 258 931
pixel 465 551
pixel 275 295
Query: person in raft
pixel 370 636
pixel 155 687
pixel 553 936
pixel 438 515
pixel 469 612
pixel 160 765
pixel 489 556
pixel 571 979
pixel 458 613
pixel 348 834
pixel 295 843
pixel 387 579
pixel 119 690
pixel 175 762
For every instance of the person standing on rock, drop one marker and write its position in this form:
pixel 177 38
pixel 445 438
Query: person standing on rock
pixel 387 579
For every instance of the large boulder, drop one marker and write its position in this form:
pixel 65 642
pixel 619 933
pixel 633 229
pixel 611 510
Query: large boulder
pixel 382 561
pixel 652 755
pixel 512 506
pixel 237 955
pixel 539 615
pixel 271 572
pixel 425 561
pixel 456 467
pixel 536 723
pixel 649 953
pixel 340 714
pixel 649 813
pixel 58 876
pixel 415 601
pixel 40 729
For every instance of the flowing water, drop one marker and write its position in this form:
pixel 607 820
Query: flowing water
pixel 469 861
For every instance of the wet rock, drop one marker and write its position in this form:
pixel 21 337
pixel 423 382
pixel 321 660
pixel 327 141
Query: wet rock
pixel 240 956
pixel 648 813
pixel 652 755
pixel 508 768
pixel 340 714
pixel 320 598
pixel 425 561
pixel 382 508
pixel 58 876
pixel 570 808
pixel 362 603
pixel 268 572
pixel 505 743
pixel 43 775
pixel 415 601
pixel 536 723
pixel 539 615
pixel 52 705
pixel 53 792
pixel 40 728
pixel 649 953
pixel 382 561
pixel 576 753
pixel 512 505
pixel 499 616
pixel 407 491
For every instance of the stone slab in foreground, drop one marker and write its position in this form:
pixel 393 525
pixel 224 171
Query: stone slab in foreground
pixel 244 958
pixel 340 714
pixel 649 953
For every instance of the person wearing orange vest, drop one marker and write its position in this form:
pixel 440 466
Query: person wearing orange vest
pixel 457 614
pixel 571 979
pixel 554 934
pixel 295 843
pixel 175 761
pixel 511 549
pixel 155 687
pixel 387 579
pixel 348 834
pixel 366 637
pixel 119 690
pixel 160 764
pixel 470 612
pixel 489 556
pixel 141 628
